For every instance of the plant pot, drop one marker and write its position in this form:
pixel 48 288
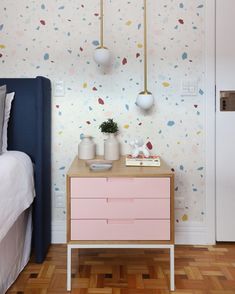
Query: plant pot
pixel 111 148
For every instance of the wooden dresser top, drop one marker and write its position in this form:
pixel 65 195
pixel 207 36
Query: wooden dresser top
pixel 80 169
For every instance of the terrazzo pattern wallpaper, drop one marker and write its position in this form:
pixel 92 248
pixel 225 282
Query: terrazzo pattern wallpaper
pixel 57 38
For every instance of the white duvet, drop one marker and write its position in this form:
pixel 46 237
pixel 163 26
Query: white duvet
pixel 16 188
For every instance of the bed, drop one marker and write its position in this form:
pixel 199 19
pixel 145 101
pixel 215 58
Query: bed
pixel 16 196
pixel 29 135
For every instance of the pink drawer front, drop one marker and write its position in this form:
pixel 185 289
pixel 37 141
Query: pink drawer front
pixel 120 230
pixel 88 187
pixel 139 187
pixel 120 188
pixel 120 208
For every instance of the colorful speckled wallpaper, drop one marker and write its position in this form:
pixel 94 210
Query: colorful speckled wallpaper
pixel 57 38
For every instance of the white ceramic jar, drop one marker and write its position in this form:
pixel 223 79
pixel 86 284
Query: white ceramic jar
pixel 111 148
pixel 86 149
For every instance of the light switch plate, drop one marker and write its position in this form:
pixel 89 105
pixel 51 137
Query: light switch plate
pixel 189 87
pixel 59 90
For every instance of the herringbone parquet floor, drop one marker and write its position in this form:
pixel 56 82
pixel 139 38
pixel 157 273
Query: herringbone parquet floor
pixel 199 270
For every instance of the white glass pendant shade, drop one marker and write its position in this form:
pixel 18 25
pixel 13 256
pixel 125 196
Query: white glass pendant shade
pixel 145 100
pixel 102 56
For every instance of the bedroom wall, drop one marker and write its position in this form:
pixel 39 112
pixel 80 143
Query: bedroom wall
pixel 56 39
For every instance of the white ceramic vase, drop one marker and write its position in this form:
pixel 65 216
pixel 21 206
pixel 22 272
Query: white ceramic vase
pixel 86 149
pixel 111 148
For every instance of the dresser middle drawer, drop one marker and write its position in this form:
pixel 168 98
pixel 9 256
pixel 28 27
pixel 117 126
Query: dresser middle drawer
pixel 120 208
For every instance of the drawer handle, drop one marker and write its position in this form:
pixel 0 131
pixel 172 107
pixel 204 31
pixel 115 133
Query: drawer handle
pixel 120 221
pixel 118 200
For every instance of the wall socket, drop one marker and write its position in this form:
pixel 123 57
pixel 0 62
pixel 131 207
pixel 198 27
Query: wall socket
pixel 189 88
pixel 60 200
pixel 179 203
pixel 59 89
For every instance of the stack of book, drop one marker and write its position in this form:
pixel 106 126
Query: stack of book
pixel 143 161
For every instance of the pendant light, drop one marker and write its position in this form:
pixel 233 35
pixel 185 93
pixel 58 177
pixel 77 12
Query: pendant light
pixel 145 99
pixel 102 54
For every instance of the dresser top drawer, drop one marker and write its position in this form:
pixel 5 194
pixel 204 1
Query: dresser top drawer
pixel 120 187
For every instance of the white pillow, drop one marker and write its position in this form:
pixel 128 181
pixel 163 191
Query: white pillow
pixel 3 90
pixel 9 98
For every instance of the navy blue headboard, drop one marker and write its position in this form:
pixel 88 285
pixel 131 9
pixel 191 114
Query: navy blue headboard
pixel 30 131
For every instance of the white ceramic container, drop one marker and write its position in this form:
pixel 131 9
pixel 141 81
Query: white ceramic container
pixel 86 149
pixel 111 148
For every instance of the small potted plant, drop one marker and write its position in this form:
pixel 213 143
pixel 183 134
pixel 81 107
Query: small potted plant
pixel 111 144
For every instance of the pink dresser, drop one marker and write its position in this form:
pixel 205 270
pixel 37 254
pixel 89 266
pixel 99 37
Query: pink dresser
pixel 126 205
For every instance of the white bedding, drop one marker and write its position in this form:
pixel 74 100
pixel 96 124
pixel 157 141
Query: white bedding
pixel 15 250
pixel 16 188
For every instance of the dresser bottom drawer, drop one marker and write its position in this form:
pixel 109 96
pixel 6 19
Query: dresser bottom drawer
pixel 120 230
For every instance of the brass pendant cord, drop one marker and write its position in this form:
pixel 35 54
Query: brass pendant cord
pixel 145 49
pixel 102 23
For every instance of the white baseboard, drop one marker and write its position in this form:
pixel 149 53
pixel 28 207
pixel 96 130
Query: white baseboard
pixel 190 234
pixel 58 235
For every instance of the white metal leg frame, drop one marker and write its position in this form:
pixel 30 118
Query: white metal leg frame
pixel 121 246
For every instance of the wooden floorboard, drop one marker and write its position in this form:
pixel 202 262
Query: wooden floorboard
pixel 198 270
